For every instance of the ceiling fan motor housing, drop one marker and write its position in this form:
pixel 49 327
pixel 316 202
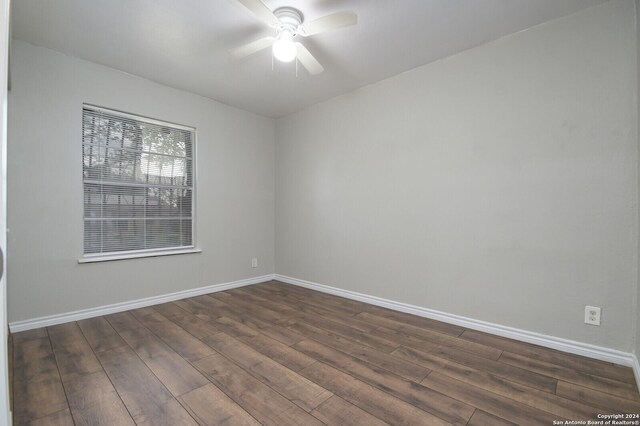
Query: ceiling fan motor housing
pixel 290 20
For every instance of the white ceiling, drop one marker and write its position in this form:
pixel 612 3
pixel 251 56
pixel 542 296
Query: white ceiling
pixel 184 43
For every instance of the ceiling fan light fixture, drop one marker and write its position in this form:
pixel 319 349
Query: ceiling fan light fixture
pixel 289 22
pixel 284 49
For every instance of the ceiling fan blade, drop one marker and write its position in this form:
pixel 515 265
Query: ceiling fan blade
pixel 251 48
pixel 308 61
pixel 329 22
pixel 261 11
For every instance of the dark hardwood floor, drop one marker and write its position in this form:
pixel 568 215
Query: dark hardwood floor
pixel 275 354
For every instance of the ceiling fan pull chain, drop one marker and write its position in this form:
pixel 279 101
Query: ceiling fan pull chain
pixel 297 67
pixel 272 66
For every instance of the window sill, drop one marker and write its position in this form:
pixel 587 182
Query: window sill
pixel 126 256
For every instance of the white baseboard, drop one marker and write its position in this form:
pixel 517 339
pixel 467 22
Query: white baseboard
pixel 565 345
pixel 49 320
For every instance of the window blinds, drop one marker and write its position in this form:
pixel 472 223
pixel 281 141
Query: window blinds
pixel 138 183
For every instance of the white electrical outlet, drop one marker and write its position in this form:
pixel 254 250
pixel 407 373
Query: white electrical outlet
pixel 592 315
pixel 254 262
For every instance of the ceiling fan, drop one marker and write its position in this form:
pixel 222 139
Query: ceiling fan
pixel 289 23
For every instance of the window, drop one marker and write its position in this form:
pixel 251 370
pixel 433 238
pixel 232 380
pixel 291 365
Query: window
pixel 138 184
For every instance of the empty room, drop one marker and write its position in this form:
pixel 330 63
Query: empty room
pixel 319 212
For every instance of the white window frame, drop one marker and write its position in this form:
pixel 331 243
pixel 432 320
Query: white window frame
pixel 154 252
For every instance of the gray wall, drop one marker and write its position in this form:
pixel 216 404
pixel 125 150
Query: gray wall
pixel 636 348
pixel 498 184
pixel 235 188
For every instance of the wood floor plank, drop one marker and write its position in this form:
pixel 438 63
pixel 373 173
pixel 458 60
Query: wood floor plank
pixel 352 322
pixel 32 357
pixel 576 362
pixel 603 401
pixel 393 364
pixel 210 309
pixel 100 335
pixel 389 327
pixel 314 298
pixel 171 310
pixel 61 418
pixel 37 387
pixel 200 328
pixel 267 346
pixel 627 374
pixel 488 382
pixel 240 316
pixel 307 305
pixel 425 359
pixel 263 403
pixel 255 297
pixel 293 306
pixel 444 407
pixel 372 340
pixel 122 321
pixel 202 307
pixel 322 300
pixel 259 340
pixel 94 401
pixel 497 405
pixel 236 328
pixel 148 401
pixel 212 407
pixel 602 384
pixel 480 418
pixel 240 303
pixel 174 372
pixel 282 334
pixel 261 315
pixel 336 306
pixel 422 322
pixel 306 293
pixel 191 323
pixel 207 300
pixel 73 353
pixel 368 398
pixel 297 389
pixel 245 325
pixel 347 318
pixel 514 374
pixel 35 333
pixel 92 398
pixel 337 411
pixel 401 339
pixel 181 341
